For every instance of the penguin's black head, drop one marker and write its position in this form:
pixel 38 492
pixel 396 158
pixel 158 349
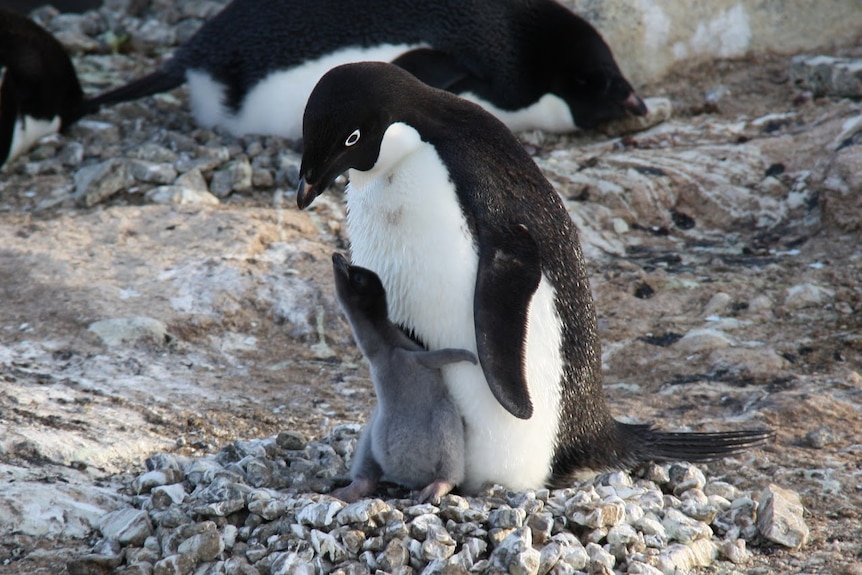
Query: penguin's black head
pixel 345 118
pixel 597 96
pixel 586 76
pixel 359 289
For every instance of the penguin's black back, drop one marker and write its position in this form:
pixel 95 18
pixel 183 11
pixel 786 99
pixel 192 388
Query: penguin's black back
pixel 40 69
pixel 500 186
pixel 511 51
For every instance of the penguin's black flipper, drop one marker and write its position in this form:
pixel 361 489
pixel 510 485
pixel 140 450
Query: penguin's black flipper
pixel 510 269
pixel 162 80
pixel 692 446
pixel 433 67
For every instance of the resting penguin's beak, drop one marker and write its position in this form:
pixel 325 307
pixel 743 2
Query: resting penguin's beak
pixel 634 106
pixel 305 194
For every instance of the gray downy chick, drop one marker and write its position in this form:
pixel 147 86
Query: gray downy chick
pixel 415 436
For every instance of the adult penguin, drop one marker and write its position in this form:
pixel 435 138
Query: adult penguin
pixel 443 201
pixel 533 63
pixel 39 89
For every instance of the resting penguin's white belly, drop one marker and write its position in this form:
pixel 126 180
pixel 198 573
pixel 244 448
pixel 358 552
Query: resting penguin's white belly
pixel 405 223
pixel 275 105
pixel 27 131
pixel 550 114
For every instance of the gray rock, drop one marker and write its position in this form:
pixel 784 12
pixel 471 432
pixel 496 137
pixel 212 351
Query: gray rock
pixel 293 440
pixel 321 514
pixel 828 75
pixel 234 176
pixel 421 524
pixel 820 437
pixel 181 196
pixel 734 550
pixel 395 555
pixel 153 173
pixel 192 180
pixel 123 330
pixel 640 568
pixel 780 517
pixel 98 182
pixel 717 304
pixel 186 164
pixel 515 554
pixel 363 511
pixel 574 554
pixel 94 563
pixel 807 295
pixel 163 496
pixel 204 545
pixel 704 339
pixel 325 545
pixel 153 153
pixel 599 558
pixel 722 489
pixel 600 515
pixel 128 526
pixel 683 528
pixel 684 477
pixel 145 483
pixel 739 520
pixel 72 154
pixel 238 565
pixel 683 558
pixel 438 544
pixel 506 518
pixel 541 525
pixel 262 178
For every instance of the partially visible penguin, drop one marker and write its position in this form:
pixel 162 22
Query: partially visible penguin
pixel 39 89
pixel 415 436
pixel 533 63
pixel 439 191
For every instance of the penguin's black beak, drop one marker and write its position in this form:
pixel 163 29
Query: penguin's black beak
pixel 339 263
pixel 306 193
pixel 634 106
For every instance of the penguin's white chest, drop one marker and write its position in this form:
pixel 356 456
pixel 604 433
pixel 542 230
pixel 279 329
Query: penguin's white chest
pixel 274 106
pixel 27 131
pixel 405 223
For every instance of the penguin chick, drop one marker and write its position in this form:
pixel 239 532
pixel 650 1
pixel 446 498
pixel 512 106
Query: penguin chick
pixel 39 89
pixel 415 436
pixel 533 63
pixel 439 189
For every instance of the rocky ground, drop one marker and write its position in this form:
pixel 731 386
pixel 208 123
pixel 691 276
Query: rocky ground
pixel 162 294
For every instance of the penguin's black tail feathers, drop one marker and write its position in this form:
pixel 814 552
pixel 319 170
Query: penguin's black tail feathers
pixel 161 80
pixel 653 445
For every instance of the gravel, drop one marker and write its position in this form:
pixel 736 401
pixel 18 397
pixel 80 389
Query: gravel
pixel 260 506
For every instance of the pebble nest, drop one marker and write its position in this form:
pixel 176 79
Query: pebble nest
pixel 254 507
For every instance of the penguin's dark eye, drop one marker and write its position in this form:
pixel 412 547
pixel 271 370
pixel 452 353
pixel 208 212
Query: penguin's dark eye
pixel 352 138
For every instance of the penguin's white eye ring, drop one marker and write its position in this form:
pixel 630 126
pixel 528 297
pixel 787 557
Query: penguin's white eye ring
pixel 352 138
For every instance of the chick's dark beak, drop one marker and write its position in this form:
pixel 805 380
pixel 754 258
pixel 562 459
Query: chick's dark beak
pixel 305 194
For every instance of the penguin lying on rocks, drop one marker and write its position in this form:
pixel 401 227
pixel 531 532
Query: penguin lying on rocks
pixel 415 436
pixel 532 63
pixel 39 89
pixel 441 197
